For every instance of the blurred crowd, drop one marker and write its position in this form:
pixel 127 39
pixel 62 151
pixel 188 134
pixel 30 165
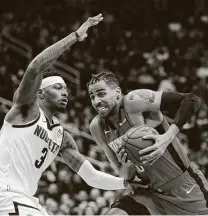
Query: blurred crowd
pixel 157 46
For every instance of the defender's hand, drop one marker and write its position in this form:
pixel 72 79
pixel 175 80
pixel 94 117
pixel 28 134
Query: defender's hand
pixel 137 183
pixel 91 21
pixel 121 154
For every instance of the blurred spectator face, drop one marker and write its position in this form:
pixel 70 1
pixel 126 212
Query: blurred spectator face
pixel 53 189
pixel 104 98
pixel 20 73
pixel 174 27
pixel 88 211
pixel 94 193
pixel 101 202
pixel 51 205
pixel 65 209
pixel 82 195
pixel 93 205
pixel 83 205
pixel 65 199
pixel 64 176
pixel 50 176
pixel 204 146
pixel 109 195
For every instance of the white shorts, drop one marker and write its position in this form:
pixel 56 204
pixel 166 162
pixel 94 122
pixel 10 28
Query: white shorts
pixel 14 203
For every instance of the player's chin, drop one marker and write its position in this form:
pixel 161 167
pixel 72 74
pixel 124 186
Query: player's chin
pixel 61 108
pixel 103 113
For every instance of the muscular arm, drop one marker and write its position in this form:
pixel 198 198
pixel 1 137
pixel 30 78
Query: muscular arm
pixel 84 168
pixel 27 91
pixel 184 105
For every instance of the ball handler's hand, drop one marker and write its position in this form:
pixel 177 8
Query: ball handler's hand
pixel 150 154
pixel 91 21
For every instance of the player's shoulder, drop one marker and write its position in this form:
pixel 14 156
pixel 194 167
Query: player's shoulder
pixel 68 141
pixel 95 123
pixel 138 94
pixel 133 98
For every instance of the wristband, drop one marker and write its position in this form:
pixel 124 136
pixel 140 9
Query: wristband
pixel 131 179
pixel 125 183
pixel 77 36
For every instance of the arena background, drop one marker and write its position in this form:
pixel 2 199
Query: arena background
pixel 156 44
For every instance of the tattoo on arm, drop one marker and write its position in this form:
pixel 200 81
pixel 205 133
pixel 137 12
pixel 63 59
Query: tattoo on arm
pixel 146 95
pixel 27 91
pixel 70 153
pixel 50 54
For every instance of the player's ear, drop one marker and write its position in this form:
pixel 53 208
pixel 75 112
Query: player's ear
pixel 118 92
pixel 40 94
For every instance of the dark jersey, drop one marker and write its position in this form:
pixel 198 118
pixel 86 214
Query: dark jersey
pixel 170 165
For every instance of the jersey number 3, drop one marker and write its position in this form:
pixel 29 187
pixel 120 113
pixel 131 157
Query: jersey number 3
pixel 39 163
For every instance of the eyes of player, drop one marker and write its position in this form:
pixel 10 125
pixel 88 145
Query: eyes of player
pixel 100 95
pixel 59 87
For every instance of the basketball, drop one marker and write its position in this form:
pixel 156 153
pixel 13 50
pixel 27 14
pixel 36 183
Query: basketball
pixel 133 142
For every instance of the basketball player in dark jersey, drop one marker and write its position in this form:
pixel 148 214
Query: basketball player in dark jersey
pixel 175 186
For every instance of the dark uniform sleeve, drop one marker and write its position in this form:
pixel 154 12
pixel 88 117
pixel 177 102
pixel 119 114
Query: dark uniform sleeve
pixel 184 106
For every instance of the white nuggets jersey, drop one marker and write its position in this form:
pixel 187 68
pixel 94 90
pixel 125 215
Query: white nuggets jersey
pixel 26 151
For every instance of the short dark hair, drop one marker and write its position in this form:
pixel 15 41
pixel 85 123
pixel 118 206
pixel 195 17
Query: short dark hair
pixel 51 71
pixel 109 78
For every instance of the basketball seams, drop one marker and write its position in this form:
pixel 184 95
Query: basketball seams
pixel 137 128
pixel 129 135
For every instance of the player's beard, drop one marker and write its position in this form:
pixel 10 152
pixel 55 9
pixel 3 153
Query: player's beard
pixel 112 111
pixel 61 109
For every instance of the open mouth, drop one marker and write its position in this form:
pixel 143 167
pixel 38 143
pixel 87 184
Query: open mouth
pixel 101 108
pixel 64 100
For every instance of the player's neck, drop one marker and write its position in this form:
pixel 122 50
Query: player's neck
pixel 49 114
pixel 114 117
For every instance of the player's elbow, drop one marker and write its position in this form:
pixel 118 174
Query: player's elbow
pixel 194 100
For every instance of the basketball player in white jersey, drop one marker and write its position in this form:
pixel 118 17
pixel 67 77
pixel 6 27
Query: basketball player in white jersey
pixel 31 137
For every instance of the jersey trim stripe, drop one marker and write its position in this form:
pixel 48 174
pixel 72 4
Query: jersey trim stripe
pixel 198 180
pixel 49 126
pixel 180 164
pixel 28 124
pixel 16 204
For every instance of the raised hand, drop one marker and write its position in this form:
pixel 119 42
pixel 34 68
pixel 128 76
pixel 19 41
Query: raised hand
pixel 91 21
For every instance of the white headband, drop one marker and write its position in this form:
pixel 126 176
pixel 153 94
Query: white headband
pixel 50 81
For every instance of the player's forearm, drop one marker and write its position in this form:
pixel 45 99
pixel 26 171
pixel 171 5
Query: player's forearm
pixel 98 179
pixel 172 131
pixel 46 58
pixel 189 105
pixel 183 105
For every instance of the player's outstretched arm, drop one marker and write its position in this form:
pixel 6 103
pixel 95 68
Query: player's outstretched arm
pixel 84 168
pixel 30 84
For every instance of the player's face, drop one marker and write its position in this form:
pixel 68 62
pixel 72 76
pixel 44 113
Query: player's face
pixel 103 97
pixel 56 96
